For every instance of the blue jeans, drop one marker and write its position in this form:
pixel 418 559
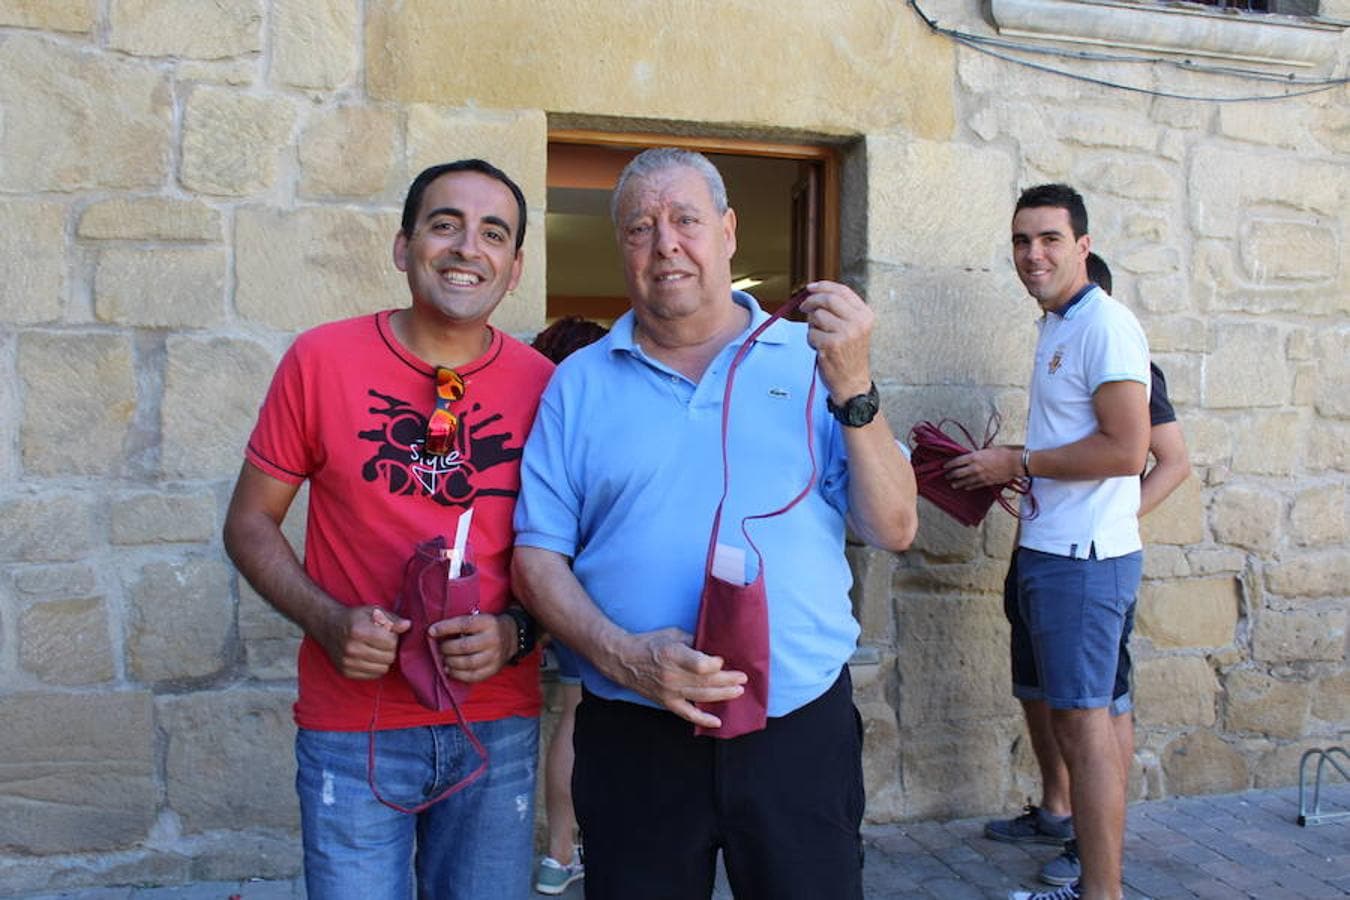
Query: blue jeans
pixel 474 845
pixel 1077 612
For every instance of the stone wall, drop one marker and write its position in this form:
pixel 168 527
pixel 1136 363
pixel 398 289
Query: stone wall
pixel 185 185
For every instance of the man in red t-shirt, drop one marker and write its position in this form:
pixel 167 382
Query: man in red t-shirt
pixel 401 422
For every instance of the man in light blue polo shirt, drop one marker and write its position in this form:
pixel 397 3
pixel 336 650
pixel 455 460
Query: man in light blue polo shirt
pixel 620 480
pixel 1079 560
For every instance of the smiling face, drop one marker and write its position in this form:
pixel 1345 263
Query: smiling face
pixel 1051 262
pixel 461 256
pixel 676 246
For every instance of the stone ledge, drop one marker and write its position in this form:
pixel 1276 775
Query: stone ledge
pixel 1181 29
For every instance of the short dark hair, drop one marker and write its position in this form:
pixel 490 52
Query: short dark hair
pixel 413 205
pixel 566 336
pixel 1099 271
pixel 1060 195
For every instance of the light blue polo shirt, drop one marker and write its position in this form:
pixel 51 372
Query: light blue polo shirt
pixel 1093 341
pixel 623 470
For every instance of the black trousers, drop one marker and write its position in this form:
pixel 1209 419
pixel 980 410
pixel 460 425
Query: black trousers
pixel 784 805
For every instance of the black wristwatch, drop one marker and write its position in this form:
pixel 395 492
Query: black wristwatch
pixel 857 411
pixel 525 633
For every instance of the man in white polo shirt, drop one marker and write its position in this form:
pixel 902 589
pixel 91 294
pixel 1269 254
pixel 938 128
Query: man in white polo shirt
pixel 1079 560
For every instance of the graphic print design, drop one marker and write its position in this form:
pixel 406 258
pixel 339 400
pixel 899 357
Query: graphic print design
pixel 450 480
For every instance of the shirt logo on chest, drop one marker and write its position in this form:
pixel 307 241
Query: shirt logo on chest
pixel 402 465
pixel 1056 361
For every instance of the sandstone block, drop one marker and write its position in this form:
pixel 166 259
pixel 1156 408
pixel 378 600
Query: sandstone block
pixel 952 654
pixel 257 618
pixel 226 855
pixel 1318 515
pixel 1330 125
pixel 1277 767
pixel 872 573
pixel 1271 443
pixel 162 287
pixel 1299 635
pixel 32 260
pixel 80 395
pixel 1218 202
pixel 349 152
pixel 46 528
pixel 1231 379
pixel 1333 384
pixel 271 659
pixel 940 539
pixel 62 581
pixel 522 313
pixel 1258 704
pixel 212 390
pixel 76 121
pixel 214 30
pixel 911 217
pixel 672 74
pixel 1175 692
pixel 881 758
pixel 231 141
pixel 238 72
pixel 1216 561
pixel 945 328
pixel 983 576
pixel 157 518
pixel 51 15
pixel 1247 517
pixel 1160 294
pixel 1181 113
pixel 1177 334
pixel 516 141
pixel 79 771
pixel 66 641
pixel 1284 126
pixel 1133 180
pixel 150 219
pixel 1323 573
pixel 1163 561
pixel 1196 612
pixel 314 42
pixel 1180 519
pixel 179 620
pixel 340 260
pixel 1208 438
pixel 1276 250
pixel 1202 763
pixel 223 738
pixel 1331 699
pixel 1328 448
pixel 952 769
pixel 1220 284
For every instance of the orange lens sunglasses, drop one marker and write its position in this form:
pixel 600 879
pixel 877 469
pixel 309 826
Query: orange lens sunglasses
pixel 443 424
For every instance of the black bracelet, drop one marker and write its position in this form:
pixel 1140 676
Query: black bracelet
pixel 525 633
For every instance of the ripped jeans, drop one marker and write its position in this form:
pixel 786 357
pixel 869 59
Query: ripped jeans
pixel 474 845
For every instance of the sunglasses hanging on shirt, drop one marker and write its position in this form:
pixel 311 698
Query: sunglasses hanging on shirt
pixel 442 424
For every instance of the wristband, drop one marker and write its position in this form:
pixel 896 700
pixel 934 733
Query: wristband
pixel 525 633
pixel 1026 461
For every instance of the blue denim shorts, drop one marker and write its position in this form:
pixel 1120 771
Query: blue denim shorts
pixel 569 670
pixel 1070 647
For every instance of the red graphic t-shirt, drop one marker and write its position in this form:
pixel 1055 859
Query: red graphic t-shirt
pixel 347 410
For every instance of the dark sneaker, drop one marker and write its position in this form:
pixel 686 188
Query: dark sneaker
pixel 1067 892
pixel 1034 826
pixel 1063 869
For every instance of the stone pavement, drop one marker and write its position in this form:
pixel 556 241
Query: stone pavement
pixel 1222 847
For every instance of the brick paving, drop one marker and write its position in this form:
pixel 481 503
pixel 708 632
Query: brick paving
pixel 1224 847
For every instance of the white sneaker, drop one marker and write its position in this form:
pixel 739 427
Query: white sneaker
pixel 555 877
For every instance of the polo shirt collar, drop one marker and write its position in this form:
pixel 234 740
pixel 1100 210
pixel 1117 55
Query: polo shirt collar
pixel 622 338
pixel 1068 311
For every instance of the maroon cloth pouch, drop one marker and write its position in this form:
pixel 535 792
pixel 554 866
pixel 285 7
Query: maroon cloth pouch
pixel 931 448
pixel 733 619
pixel 429 595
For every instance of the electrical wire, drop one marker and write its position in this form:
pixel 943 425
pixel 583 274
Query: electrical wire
pixel 985 44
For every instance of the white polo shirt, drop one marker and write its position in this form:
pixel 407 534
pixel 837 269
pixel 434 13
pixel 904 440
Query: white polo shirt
pixel 1094 340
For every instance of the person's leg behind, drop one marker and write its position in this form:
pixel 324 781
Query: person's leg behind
pixel 477 844
pixel 642 788
pixel 356 848
pixel 561 865
pixel 791 801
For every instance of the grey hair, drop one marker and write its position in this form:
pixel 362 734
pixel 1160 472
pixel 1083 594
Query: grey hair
pixel 657 159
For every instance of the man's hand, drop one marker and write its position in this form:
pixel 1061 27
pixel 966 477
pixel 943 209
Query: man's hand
pixel 984 468
pixel 663 666
pixel 474 648
pixel 840 329
pixel 362 641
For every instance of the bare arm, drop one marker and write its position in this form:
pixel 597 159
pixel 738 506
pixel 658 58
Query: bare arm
pixel 1172 466
pixel 1118 447
pixel 882 492
pixel 660 665
pixel 360 641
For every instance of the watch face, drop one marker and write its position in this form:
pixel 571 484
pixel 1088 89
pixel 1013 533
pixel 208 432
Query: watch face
pixel 859 410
